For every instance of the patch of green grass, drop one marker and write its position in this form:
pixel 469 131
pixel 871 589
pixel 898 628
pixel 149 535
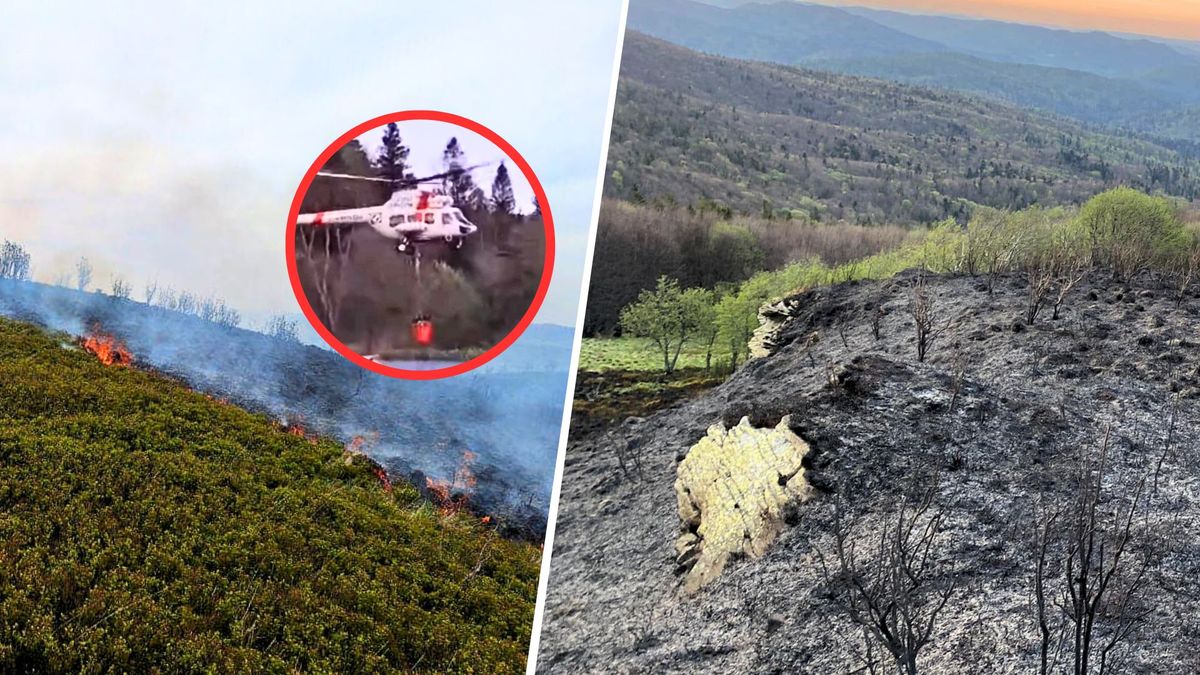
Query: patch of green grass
pixel 602 398
pixel 145 527
pixel 630 353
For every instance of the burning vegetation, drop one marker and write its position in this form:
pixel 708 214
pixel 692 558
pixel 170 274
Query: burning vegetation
pixel 355 448
pixel 454 495
pixel 110 350
pixel 228 505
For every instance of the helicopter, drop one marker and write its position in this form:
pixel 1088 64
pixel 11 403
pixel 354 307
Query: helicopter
pixel 409 216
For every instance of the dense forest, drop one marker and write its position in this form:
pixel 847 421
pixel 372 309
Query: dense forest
pixel 787 142
pixel 149 527
pixel 368 294
pixel 706 247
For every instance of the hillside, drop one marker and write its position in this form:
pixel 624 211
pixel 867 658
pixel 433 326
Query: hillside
pixel 148 527
pixel 1087 51
pixel 1003 425
pixel 1094 77
pixel 785 32
pixel 838 148
pixel 1071 93
pixel 499 424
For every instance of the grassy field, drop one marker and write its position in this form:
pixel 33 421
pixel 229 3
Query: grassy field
pixel 629 353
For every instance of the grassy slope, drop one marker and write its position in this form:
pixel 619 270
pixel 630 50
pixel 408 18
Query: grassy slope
pixel 147 526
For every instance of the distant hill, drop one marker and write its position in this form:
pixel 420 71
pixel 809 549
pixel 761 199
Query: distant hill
pixel 1093 77
pixel 783 32
pixel 1080 95
pixel 825 146
pixel 1088 51
pixel 152 528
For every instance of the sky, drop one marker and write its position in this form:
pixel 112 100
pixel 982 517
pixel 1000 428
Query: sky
pixel 426 139
pixel 167 142
pixel 1178 19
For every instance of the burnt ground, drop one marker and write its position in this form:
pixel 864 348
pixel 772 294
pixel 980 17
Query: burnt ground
pixel 1030 400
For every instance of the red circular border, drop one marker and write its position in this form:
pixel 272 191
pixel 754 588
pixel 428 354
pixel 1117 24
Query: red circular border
pixel 547 266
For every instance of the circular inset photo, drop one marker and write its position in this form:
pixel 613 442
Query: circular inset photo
pixel 420 244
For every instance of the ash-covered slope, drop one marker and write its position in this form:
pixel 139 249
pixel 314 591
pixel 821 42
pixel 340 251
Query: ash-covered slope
pixel 1001 413
pixel 493 432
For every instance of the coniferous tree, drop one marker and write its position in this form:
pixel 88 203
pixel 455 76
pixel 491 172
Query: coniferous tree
pixel 459 185
pixel 502 192
pixel 391 162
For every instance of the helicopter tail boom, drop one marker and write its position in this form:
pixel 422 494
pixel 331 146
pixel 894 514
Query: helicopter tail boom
pixel 364 216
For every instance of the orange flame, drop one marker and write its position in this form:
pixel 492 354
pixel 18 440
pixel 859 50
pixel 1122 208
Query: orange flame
pixel 356 447
pixel 293 424
pixel 383 479
pixel 453 496
pixel 108 349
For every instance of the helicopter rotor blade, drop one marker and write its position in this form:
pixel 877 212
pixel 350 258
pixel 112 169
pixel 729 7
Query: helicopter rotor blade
pixel 353 177
pixel 408 181
pixel 445 174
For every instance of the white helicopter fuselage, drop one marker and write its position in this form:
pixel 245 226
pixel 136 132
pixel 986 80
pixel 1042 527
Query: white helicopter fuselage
pixel 409 215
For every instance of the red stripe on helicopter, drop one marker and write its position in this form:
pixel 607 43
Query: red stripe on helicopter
pixel 319 218
pixel 423 202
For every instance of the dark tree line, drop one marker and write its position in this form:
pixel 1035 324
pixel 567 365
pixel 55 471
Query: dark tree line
pixel 703 245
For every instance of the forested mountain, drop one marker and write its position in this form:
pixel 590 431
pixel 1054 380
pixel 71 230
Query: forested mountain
pixel 1084 96
pixel 784 32
pixel 1088 51
pixel 1094 77
pixel 772 139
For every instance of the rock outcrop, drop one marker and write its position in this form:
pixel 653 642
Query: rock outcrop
pixel 732 489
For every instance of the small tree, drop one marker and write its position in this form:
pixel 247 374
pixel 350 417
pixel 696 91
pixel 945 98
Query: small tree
pixel 14 262
pixel 281 327
pixel 895 587
pixel 1087 568
pixel 150 291
pixel 1185 267
pixel 707 328
pixel 668 316
pixel 121 289
pixel 83 274
pixel 921 308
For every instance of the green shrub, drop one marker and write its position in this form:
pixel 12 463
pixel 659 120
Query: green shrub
pixel 147 527
pixel 1129 231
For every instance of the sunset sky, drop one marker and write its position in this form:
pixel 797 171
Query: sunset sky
pixel 1166 18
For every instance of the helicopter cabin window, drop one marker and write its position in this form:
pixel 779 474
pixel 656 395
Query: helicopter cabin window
pixel 428 218
pixel 445 218
pixel 414 218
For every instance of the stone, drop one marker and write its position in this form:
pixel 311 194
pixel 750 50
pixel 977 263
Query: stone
pixel 733 489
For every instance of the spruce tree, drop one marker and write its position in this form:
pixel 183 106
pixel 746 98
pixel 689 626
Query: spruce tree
pixel 502 192
pixel 458 185
pixel 391 162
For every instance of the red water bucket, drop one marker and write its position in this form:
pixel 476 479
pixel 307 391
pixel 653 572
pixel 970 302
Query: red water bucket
pixel 422 332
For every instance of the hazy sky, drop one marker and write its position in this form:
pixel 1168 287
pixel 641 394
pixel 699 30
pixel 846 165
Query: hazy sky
pixel 1164 18
pixel 168 142
pixel 426 139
